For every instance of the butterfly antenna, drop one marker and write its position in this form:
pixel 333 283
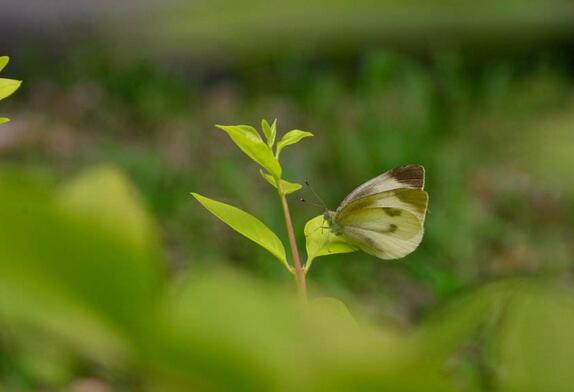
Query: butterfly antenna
pixel 316 196
pixel 302 200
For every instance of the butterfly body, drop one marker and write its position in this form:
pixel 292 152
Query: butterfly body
pixel 330 216
pixel 384 216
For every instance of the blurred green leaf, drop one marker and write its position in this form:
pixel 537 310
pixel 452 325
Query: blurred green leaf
pixel 536 343
pixel 8 86
pixel 4 120
pixel 270 131
pixel 246 225
pixel 320 241
pixel 104 195
pixel 61 268
pixel 228 332
pixel 3 62
pixel 334 307
pixel 291 137
pixel 250 142
pixel 288 187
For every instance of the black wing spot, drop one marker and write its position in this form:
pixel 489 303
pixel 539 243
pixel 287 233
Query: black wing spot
pixel 393 211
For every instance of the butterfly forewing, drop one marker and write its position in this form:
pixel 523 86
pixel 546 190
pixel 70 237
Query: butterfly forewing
pixel 410 177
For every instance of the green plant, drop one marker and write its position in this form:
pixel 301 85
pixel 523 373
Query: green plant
pixel 7 86
pixel 266 152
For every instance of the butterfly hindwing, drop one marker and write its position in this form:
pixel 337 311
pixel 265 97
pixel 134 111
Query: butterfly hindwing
pixel 393 222
pixel 388 233
pixel 383 246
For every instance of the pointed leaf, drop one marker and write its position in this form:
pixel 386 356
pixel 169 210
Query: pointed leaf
pixel 288 187
pixel 291 137
pixel 8 86
pixel 320 241
pixel 249 131
pixel 3 61
pixel 270 131
pixel 250 142
pixel 4 120
pixel 247 225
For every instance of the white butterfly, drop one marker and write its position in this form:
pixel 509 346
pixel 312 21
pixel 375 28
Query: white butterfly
pixel 384 216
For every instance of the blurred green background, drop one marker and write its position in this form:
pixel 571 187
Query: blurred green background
pixel 480 93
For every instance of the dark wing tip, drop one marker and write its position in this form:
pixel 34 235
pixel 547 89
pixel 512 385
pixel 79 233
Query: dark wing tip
pixel 411 175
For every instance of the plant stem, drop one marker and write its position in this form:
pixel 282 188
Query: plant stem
pixel 299 270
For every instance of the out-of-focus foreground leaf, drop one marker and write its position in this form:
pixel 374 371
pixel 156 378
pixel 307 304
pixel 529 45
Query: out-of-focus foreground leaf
pixel 227 333
pixel 103 195
pixel 516 334
pixel 72 270
pixel 66 271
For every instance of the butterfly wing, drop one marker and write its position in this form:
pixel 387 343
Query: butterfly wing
pixel 388 225
pixel 410 176
pixel 414 201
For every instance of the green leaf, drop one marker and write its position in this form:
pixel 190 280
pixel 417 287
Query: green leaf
pixel 3 62
pixel 63 269
pixel 320 241
pixel 270 131
pixel 247 225
pixel 291 137
pixel 8 86
pixel 102 194
pixel 4 120
pixel 336 309
pixel 250 142
pixel 288 187
pixel 532 362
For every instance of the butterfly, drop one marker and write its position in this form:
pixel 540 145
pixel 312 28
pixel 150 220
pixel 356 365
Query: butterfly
pixel 384 216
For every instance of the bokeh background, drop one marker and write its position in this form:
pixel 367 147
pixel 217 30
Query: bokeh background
pixel 480 93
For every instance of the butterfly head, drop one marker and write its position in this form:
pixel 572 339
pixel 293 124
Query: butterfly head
pixel 329 217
